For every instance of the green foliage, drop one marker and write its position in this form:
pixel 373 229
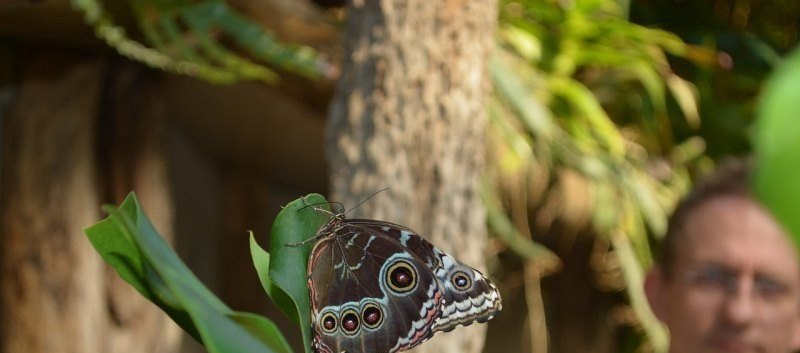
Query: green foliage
pixel 585 99
pixel 283 273
pixel 581 90
pixel 505 229
pixel 777 145
pixel 128 242
pixel 186 37
pixel 748 38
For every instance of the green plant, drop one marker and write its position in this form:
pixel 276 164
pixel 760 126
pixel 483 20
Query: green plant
pixel 128 242
pixel 777 145
pixel 186 37
pixel 584 100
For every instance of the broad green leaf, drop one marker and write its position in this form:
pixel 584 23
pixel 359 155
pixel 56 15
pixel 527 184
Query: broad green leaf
pixel 117 247
pixel 130 243
pixel 263 329
pixel 279 297
pixel 777 145
pixel 261 263
pixel 297 222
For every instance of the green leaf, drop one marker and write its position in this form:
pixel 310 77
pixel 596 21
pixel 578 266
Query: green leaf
pixel 686 95
pixel 286 278
pixel 264 329
pixel 777 145
pixel 278 296
pixel 129 243
pixel 261 263
pixel 117 247
pixel 525 43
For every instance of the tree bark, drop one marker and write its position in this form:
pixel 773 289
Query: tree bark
pixel 56 294
pixel 52 280
pixel 409 115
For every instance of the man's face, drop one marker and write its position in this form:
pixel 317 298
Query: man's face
pixel 734 285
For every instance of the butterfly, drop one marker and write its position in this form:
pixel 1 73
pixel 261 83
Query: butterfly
pixel 379 287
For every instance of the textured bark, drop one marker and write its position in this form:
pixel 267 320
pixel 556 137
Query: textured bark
pixel 409 115
pixel 56 293
pixel 51 295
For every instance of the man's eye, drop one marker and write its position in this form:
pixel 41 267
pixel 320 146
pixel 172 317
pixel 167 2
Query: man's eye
pixel 711 277
pixel 770 288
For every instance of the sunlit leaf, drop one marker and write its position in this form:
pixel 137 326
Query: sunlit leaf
pixel 777 145
pixel 525 43
pixel 686 95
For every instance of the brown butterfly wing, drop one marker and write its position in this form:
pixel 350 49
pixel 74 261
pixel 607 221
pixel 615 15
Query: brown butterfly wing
pixel 469 296
pixel 369 293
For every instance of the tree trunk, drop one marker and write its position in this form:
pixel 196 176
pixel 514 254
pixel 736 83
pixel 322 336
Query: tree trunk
pixel 52 279
pixel 56 293
pixel 409 115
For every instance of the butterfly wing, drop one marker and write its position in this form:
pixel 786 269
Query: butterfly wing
pixel 369 293
pixel 469 296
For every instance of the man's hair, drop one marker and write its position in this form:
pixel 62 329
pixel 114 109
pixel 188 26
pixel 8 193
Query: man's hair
pixel 730 178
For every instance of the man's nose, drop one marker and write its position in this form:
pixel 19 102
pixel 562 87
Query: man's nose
pixel 740 303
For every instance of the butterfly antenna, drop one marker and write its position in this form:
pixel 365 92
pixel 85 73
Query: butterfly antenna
pixel 304 242
pixel 338 214
pixel 367 199
pixel 321 210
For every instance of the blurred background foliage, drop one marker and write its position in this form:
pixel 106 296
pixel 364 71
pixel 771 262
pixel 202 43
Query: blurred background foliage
pixel 206 39
pixel 602 112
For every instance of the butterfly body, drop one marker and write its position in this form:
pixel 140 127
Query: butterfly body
pixel 379 287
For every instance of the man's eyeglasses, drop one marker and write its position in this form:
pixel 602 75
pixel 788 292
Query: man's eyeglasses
pixel 720 279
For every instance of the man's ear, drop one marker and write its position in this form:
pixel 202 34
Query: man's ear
pixel 654 286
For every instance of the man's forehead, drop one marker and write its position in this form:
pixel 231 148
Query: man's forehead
pixel 737 230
